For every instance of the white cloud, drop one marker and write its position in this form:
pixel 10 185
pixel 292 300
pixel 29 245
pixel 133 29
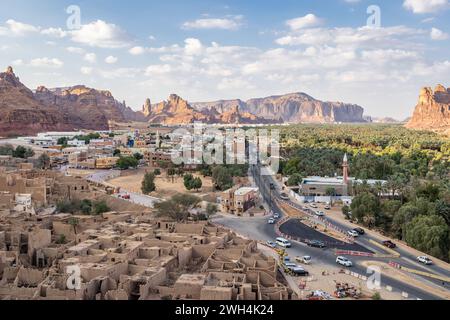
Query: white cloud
pixel 90 57
pixel 193 47
pixel 111 60
pixel 135 51
pixel 46 63
pixel 211 23
pixel 18 62
pixel 54 32
pixel 310 20
pixel 86 70
pixel 425 6
pixel 75 50
pixel 438 35
pixel 348 36
pixel 119 73
pixel 14 28
pixel 158 69
pixel 101 34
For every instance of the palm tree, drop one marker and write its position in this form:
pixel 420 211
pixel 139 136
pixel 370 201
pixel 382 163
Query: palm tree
pixel 331 192
pixel 74 222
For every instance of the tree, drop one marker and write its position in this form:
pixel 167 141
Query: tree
pixel 125 163
pixel 100 207
pixel 61 239
pixel 6 150
pixel 178 207
pixel 197 184
pixel 74 222
pixel 429 234
pixel 171 172
pixel 138 156
pixel 331 192
pixel 222 178
pixel 294 180
pixel 23 153
pixel 43 162
pixel 404 215
pixel 63 141
pixel 86 206
pixel 188 181
pixel 157 172
pixel 211 209
pixel 148 184
pixel 117 153
pixel 366 209
pixel 346 212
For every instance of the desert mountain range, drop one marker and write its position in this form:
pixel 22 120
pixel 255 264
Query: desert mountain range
pixel 23 111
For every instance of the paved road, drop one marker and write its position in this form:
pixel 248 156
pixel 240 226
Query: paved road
pixel 258 229
pixel 103 176
pixel 407 259
pixel 328 256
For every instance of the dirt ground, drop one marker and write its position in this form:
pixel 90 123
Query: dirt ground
pixel 165 186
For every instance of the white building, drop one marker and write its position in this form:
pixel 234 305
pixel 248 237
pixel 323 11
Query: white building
pixel 76 143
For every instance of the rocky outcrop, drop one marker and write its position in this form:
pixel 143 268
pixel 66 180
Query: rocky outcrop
pixel 21 113
pixel 291 108
pixel 175 111
pixel 433 110
pixel 87 108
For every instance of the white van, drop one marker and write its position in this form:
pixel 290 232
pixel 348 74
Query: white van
pixel 282 242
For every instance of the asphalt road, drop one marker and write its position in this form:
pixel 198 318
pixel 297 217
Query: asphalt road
pixel 263 231
pixel 406 258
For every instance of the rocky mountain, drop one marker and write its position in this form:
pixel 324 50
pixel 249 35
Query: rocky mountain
pixel 176 111
pixel 21 113
pixel 87 108
pixel 290 108
pixel 433 110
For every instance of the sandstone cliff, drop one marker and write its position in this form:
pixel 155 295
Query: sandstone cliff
pixel 291 108
pixel 433 110
pixel 21 113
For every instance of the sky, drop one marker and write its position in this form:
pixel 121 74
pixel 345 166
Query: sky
pixel 375 53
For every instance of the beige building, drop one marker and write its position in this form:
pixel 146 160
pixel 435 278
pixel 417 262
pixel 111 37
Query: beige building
pixel 106 163
pixel 238 200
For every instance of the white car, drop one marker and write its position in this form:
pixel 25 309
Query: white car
pixel 344 262
pixel 271 221
pixel 353 233
pixel 283 243
pixel 304 260
pixel 319 213
pixel 276 216
pixel 424 260
pixel 314 206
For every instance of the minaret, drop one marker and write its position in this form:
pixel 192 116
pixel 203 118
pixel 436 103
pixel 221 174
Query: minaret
pixel 345 169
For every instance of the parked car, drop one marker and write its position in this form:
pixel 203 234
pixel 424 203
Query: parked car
pixel 319 213
pixel 389 244
pixel 353 233
pixel 425 260
pixel 276 216
pixel 360 231
pixel 304 260
pixel 327 207
pixel 126 197
pixel 316 244
pixel 271 221
pixel 271 244
pixel 313 205
pixel 282 242
pixel 343 261
pixel 299 271
pixel 284 196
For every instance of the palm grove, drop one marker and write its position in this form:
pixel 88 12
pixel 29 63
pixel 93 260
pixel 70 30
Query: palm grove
pixel 414 204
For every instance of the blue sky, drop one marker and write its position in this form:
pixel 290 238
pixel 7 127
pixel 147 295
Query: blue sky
pixel 208 50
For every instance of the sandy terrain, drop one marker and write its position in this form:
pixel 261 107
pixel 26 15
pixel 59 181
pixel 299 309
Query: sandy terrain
pixel 165 187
